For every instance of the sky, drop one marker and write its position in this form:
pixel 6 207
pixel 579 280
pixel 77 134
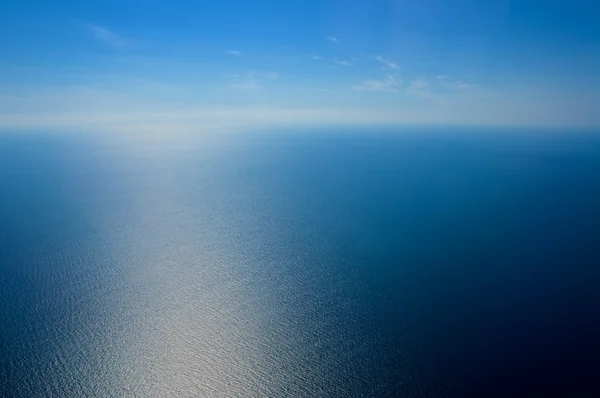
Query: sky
pixel 163 66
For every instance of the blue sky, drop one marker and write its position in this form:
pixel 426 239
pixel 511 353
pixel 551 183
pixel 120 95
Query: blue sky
pixel 167 65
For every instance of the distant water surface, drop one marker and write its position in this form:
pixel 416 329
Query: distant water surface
pixel 410 263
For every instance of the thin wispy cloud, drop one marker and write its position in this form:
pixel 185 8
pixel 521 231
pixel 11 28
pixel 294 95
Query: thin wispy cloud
pixel 235 53
pixel 386 63
pixel 456 85
pixel 463 86
pixel 106 36
pixel 390 83
pixel 419 84
pixel 252 80
pixel 445 81
pixel 343 63
pixel 317 58
pixel 419 87
pixel 333 39
pixel 250 84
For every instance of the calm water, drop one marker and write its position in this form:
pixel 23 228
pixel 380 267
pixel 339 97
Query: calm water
pixel 312 264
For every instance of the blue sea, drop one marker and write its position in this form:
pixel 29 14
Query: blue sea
pixel 415 262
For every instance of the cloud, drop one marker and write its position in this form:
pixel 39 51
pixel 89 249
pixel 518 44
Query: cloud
pixel 462 85
pixel 390 84
pixel 386 63
pixel 333 39
pixel 250 84
pixel 454 85
pixel 234 53
pixel 343 63
pixel 419 84
pixel 317 58
pixel 252 80
pixel 419 87
pixel 457 84
pixel 106 36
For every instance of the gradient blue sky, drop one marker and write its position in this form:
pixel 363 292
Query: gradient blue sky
pixel 167 65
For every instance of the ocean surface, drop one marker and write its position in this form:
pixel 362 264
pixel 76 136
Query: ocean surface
pixel 423 262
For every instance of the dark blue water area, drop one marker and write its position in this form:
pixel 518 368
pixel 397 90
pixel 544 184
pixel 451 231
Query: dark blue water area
pixel 416 262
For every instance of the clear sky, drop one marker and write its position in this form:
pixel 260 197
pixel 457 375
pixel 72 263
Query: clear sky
pixel 182 64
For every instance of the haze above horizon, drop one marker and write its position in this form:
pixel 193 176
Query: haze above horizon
pixel 183 65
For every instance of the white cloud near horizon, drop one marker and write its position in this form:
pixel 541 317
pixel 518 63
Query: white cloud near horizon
pixel 107 112
pixel 164 105
pixel 333 39
pixel 419 87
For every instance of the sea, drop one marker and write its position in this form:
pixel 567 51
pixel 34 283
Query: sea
pixel 301 262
